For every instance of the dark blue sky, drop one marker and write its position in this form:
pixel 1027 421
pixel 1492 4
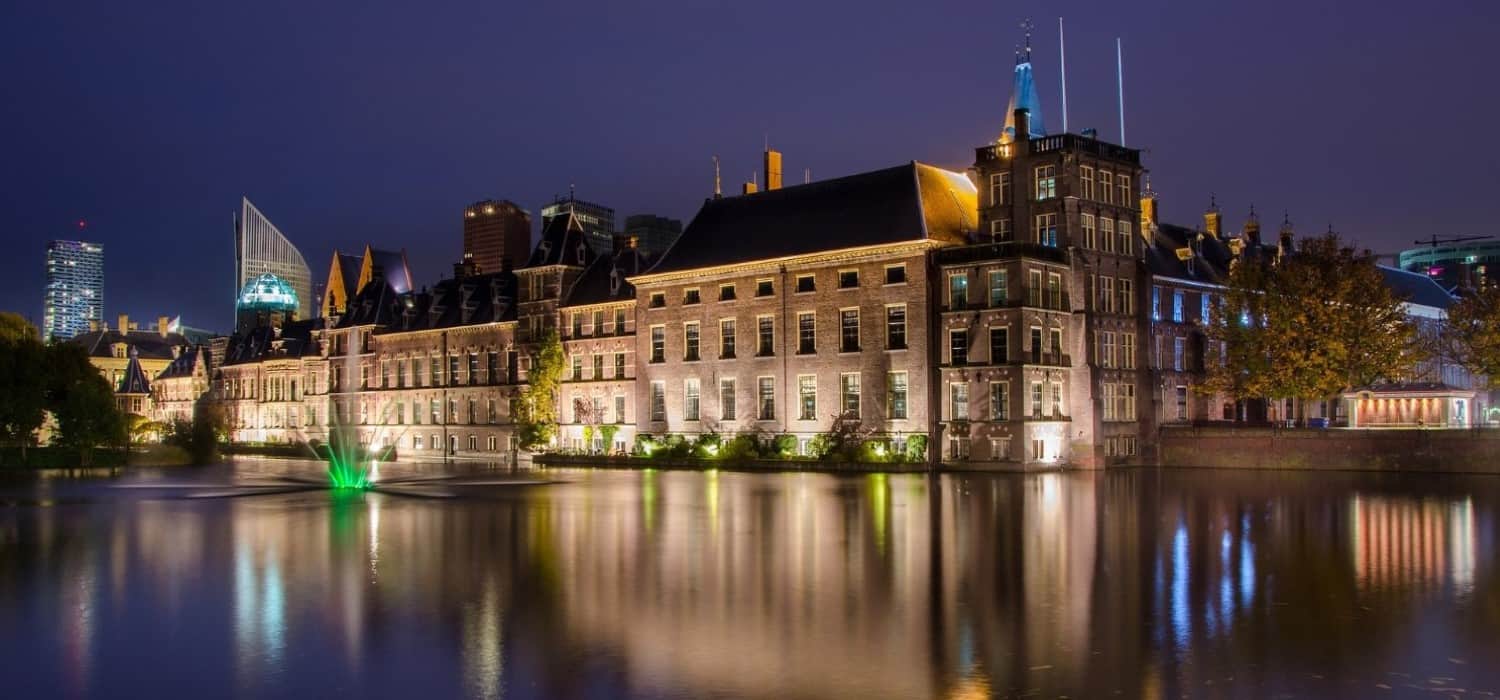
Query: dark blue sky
pixel 355 122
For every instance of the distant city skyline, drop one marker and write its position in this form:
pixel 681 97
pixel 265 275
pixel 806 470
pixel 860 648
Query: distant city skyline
pixel 1307 128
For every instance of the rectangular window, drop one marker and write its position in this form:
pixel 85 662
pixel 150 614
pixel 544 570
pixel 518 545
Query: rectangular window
pixel 999 189
pixel 1126 238
pixel 1126 303
pixel 1046 182
pixel 895 397
pixel 577 368
pixel 1179 349
pixel 849 330
pixel 726 292
pixel 765 336
pixel 658 344
pixel 999 288
pixel 895 327
pixel 1107 186
pixel 958 291
pixel 1107 294
pixel 807 333
pixel 806 283
pixel 1177 304
pixel 658 401
pixel 958 401
pixel 416 412
pixel 999 401
pixel 1203 303
pixel 598 366
pixel 849 394
pixel 1036 399
pixel 1090 239
pixel 619 321
pixel 763 288
pixel 848 279
pixel 577 324
pixel 726 399
pixel 999 345
pixel 1000 230
pixel 1107 233
pixel 1034 289
pixel 691 296
pixel 958 347
pixel 690 341
pixel 1036 344
pixel 1155 303
pixel 1127 350
pixel 766 389
pixel 1122 185
pixel 619 365
pixel 1182 403
pixel 895 274
pixel 1086 182
pixel 1054 290
pixel 1054 335
pixel 1046 230
pixel 491 369
pixel 598 322
pixel 658 300
pixel 726 339
pixel 1058 408
pixel 807 397
pixel 435 368
pixel 1107 349
pixel 690 399
pixel 619 408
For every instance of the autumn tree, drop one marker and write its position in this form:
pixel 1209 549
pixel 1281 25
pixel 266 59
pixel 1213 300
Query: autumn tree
pixel 537 413
pixel 23 382
pixel 82 401
pixel 1471 335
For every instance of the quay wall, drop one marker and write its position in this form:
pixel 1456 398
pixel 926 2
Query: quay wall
pixel 1459 451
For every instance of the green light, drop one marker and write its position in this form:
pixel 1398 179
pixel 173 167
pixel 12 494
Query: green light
pixel 345 469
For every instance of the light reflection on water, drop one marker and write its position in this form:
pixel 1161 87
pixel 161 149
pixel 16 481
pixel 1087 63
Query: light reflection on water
pixel 645 584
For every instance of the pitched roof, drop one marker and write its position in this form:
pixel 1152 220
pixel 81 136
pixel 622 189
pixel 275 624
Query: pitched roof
pixel 910 202
pixel 563 242
pixel 135 381
pixel 1203 258
pixel 1415 288
pixel 377 304
pixel 294 339
pixel 151 344
pixel 390 264
pixel 604 281
pixel 488 298
pixel 187 363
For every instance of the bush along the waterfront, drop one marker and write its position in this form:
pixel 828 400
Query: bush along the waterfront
pixel 842 444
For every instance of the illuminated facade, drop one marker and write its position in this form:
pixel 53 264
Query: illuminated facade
pixel 259 248
pixel 1455 266
pixel 75 289
pixel 266 300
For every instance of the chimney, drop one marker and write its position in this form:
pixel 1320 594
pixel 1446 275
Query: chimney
pixel 123 323
pixel 748 188
pixel 161 325
pixel 1023 124
pixel 773 169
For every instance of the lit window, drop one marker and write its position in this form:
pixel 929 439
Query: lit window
pixel 1046 182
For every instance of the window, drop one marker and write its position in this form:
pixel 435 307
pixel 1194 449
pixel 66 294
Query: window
pixel 1203 303
pixel 1106 186
pixel 726 292
pixel 1054 335
pixel 491 369
pixel 849 394
pixel 1046 182
pixel 1106 294
pixel 491 414
pixel 1046 230
pixel 1107 233
pixel 849 330
pixel 619 408
pixel 1179 348
pixel 766 388
pixel 958 291
pixel 765 336
pixel 1036 343
pixel 895 274
pixel 1127 350
pixel 726 339
pixel 1000 448
pixel 1126 303
pixel 999 189
pixel 958 347
pixel 1054 290
pixel 690 296
pixel 619 365
pixel 1182 403
pixel 999 287
pixel 658 343
pixel 848 279
pixel 807 333
pixel 1034 289
pixel 1155 303
pixel 658 300
pixel 999 345
pixel 474 443
pixel 1125 238
pixel 763 288
pixel 416 412
pixel 999 401
pixel 492 443
pixel 1122 186
pixel 1000 230
pixel 598 322
pixel 690 399
pixel 958 401
pixel 658 401
pixel 577 364
pixel 895 327
pixel 598 366
pixel 576 324
pixel 619 321
pixel 806 283
pixel 1177 302
pixel 895 395
pixel 1036 399
pixel 1107 354
pixel 726 399
pixel 1090 239
pixel 1086 182
pixel 690 341
pixel 1058 408
pixel 807 397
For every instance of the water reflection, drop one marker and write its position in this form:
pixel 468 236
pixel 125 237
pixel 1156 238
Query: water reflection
pixel 738 585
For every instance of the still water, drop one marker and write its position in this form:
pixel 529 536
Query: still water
pixel 602 584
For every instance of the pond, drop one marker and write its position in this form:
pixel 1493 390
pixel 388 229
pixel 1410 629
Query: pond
pixel 225 582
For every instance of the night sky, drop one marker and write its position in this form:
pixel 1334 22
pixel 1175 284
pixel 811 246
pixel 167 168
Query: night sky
pixel 375 122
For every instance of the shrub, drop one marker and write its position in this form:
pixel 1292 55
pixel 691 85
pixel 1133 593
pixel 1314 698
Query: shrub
pixel 707 446
pixel 782 446
pixel 741 447
pixel 645 445
pixel 916 448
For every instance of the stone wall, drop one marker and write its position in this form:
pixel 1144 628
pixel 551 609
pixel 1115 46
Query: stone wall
pixel 1357 450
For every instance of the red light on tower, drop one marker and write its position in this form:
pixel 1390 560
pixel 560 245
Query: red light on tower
pixel 82 224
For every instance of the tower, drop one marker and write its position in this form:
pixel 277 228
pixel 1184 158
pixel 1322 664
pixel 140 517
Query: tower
pixel 496 231
pixel 75 289
pixel 1023 95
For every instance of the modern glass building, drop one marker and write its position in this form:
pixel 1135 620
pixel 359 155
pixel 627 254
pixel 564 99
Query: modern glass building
pixel 1463 265
pixel 266 300
pixel 75 288
pixel 598 221
pixel 259 248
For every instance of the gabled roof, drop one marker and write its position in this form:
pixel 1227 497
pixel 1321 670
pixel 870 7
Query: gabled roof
pixel 377 304
pixel 293 339
pixel 1205 259
pixel 910 202
pixel 605 280
pixel 489 298
pixel 151 344
pixel 187 364
pixel 390 264
pixel 135 381
pixel 563 242
pixel 1415 288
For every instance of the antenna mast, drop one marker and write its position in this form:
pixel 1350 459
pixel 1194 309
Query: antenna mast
pixel 1062 61
pixel 1120 82
pixel 718 191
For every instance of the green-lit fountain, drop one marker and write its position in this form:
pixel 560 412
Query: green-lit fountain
pixel 350 465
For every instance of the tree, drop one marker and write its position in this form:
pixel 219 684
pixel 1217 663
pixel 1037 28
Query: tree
pixel 537 419
pixel 23 384
pixel 81 400
pixel 1471 335
pixel 1308 326
pixel 14 327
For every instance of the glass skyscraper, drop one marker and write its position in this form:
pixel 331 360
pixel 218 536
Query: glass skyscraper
pixel 259 248
pixel 75 288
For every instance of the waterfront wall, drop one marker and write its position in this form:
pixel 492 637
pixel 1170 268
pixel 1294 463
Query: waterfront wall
pixel 689 463
pixel 1472 451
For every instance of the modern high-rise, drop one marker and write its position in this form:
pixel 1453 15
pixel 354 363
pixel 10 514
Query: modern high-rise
pixel 496 231
pixel 75 288
pixel 598 221
pixel 653 234
pixel 1460 265
pixel 259 248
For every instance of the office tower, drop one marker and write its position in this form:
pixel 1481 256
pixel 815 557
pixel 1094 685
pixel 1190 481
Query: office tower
pixel 496 231
pixel 259 249
pixel 75 288
pixel 598 221
pixel 652 234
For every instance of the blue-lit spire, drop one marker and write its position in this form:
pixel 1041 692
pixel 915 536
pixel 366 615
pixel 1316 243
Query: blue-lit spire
pixel 1023 95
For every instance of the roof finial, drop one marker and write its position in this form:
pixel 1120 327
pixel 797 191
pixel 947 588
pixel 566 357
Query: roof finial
pixel 571 189
pixel 718 191
pixel 1024 55
pixel 1213 202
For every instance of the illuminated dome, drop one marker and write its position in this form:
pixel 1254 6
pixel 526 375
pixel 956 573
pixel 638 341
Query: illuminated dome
pixel 267 293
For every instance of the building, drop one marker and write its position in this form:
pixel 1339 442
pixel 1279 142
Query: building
pixel 177 390
pixel 133 395
pixel 272 384
pixel 1455 266
pixel 266 300
pixel 259 248
pixel 652 234
pixel 597 220
pixel 75 289
pixel 598 412
pixel 348 274
pixel 496 231
pixel 111 350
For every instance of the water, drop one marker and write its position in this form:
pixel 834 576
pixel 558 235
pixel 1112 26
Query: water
pixel 226 582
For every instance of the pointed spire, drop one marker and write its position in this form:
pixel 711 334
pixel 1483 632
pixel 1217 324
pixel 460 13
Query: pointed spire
pixel 1023 95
